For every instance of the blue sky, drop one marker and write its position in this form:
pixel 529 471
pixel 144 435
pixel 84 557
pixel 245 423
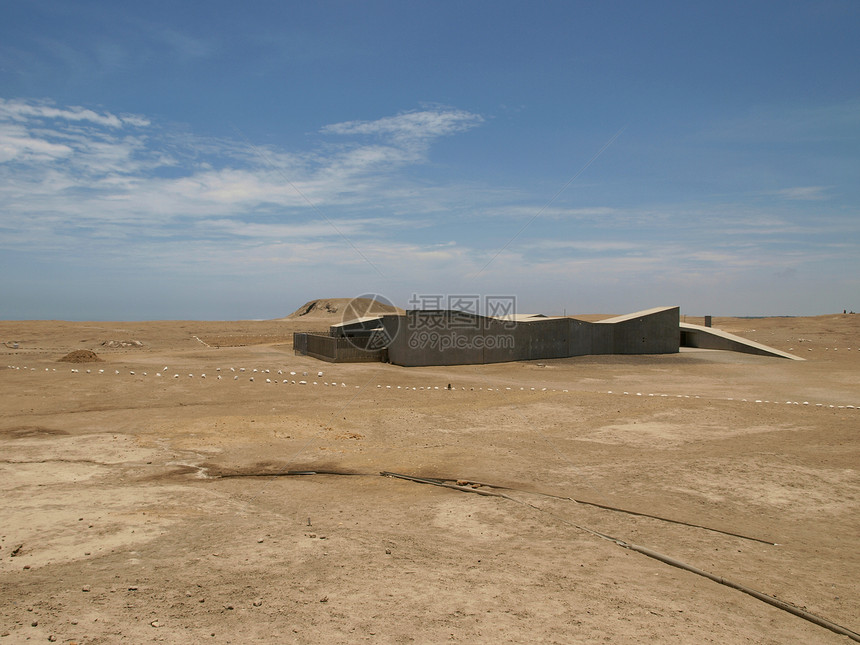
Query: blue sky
pixel 211 160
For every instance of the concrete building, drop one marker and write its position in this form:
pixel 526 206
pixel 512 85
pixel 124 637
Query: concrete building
pixel 446 337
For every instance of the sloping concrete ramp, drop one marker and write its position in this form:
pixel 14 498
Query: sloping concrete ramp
pixel 710 338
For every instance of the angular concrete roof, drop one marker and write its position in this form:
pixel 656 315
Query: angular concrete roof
pixel 635 314
pixel 354 321
pixel 524 317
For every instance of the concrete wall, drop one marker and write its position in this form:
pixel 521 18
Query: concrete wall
pixel 434 338
pixel 548 338
pixel 651 332
pixel 581 337
pixel 456 338
pixel 464 339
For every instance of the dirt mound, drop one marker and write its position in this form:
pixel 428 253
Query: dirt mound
pixel 338 307
pixel 317 308
pixel 81 356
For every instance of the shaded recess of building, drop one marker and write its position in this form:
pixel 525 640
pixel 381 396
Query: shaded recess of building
pixel 446 337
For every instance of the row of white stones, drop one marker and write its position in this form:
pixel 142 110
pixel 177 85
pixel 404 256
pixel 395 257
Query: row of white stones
pixel 164 372
pixel 731 398
pixel 303 381
pixel 826 349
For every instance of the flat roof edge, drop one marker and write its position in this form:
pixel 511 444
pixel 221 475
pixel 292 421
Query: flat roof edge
pixel 636 314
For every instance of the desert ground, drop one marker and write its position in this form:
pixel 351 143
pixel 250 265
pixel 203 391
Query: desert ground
pixel 145 502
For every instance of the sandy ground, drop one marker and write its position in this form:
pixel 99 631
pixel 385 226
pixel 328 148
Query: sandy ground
pixel 140 506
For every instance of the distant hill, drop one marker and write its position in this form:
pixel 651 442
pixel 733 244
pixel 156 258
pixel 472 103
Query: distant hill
pixel 336 309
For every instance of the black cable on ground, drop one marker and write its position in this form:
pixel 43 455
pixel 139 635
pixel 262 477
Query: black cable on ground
pixel 770 600
pixel 605 507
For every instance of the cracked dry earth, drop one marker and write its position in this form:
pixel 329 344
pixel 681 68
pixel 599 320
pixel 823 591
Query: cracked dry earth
pixel 144 504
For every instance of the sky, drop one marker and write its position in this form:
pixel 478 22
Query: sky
pixel 223 161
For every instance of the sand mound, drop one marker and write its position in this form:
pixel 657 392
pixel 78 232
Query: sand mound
pixel 81 356
pixel 337 308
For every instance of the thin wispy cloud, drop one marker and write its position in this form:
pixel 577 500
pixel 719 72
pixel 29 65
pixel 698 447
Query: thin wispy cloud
pixel 411 130
pixel 26 112
pixel 804 193
pixel 769 124
pixel 589 213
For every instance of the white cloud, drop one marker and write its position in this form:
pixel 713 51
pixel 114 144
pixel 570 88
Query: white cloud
pixel 804 193
pixel 411 130
pixel 26 111
pixel 589 246
pixel 525 211
pixel 17 143
pixel 135 120
pixel 334 228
